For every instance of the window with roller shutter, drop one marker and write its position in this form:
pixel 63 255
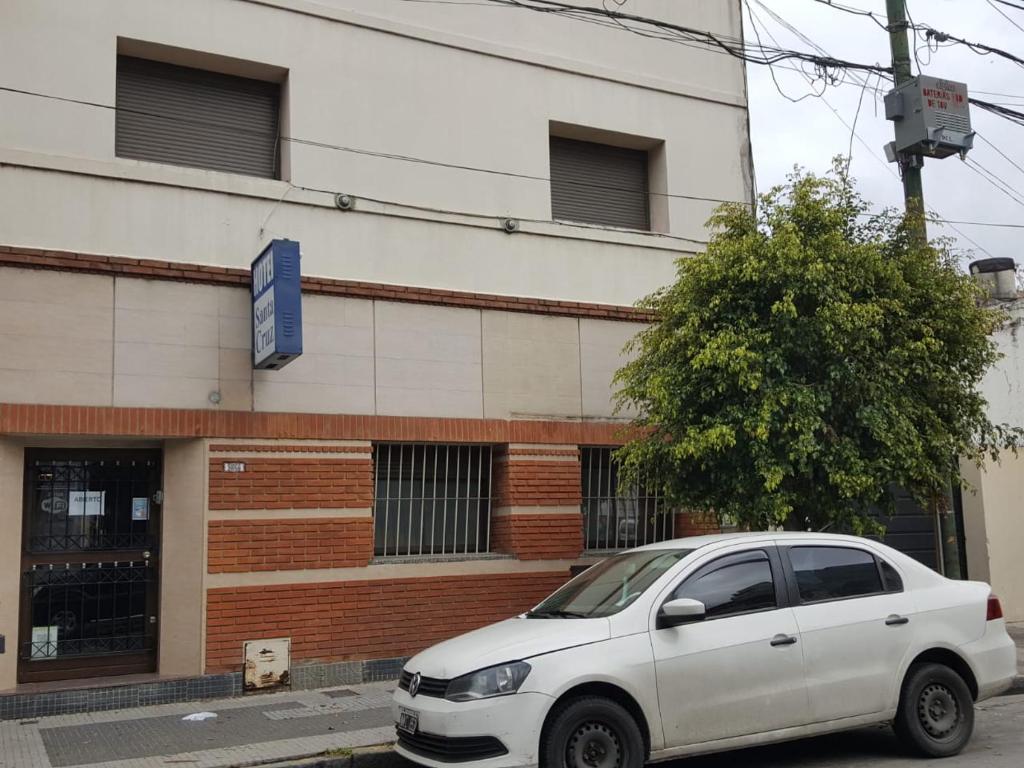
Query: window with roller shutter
pixel 184 116
pixel 599 184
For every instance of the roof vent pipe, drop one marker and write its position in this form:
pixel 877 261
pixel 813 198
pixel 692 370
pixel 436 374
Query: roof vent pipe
pixel 997 276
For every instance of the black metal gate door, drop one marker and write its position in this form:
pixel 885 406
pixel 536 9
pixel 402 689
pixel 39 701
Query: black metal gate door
pixel 912 530
pixel 89 584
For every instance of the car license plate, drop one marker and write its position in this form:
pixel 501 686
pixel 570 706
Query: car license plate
pixel 408 720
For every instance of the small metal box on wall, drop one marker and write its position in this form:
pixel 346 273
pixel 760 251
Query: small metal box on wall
pixel 932 117
pixel 267 664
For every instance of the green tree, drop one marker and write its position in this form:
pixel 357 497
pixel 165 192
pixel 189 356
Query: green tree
pixel 812 356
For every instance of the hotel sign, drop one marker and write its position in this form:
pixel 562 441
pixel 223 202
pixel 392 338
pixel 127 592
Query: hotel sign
pixel 276 305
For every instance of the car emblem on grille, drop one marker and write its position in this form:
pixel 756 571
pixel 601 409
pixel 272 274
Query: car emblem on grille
pixel 414 684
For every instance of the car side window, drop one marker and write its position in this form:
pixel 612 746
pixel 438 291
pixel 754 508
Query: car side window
pixel 834 573
pixel 738 583
pixel 893 582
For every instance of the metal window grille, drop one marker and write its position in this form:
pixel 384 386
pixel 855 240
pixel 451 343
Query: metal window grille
pixel 87 504
pixel 614 517
pixel 431 499
pixel 87 609
pixel 599 184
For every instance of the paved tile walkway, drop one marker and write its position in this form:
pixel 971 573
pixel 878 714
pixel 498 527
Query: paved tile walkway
pixel 246 731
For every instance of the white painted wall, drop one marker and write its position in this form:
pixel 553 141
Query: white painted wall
pixel 474 86
pixel 1003 386
pixel 994 505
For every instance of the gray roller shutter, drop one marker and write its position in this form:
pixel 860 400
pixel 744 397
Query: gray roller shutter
pixel 184 116
pixel 599 184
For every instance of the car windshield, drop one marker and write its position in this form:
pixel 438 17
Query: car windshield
pixel 609 586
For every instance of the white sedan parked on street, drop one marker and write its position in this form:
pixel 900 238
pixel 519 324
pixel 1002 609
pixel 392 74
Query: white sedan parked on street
pixel 707 644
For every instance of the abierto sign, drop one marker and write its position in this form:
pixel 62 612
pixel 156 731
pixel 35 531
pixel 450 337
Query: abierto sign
pixel 276 305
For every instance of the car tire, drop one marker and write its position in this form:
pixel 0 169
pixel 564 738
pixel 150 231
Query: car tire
pixel 592 732
pixel 936 711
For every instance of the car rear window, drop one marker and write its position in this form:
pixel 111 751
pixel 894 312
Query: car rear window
pixel 834 573
pixel 893 582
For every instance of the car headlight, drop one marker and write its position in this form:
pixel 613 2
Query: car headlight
pixel 493 681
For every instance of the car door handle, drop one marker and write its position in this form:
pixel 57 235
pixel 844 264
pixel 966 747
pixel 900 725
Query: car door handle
pixel 783 640
pixel 896 621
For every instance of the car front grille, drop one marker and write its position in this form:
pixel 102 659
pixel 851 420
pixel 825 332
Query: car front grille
pixel 448 749
pixel 429 686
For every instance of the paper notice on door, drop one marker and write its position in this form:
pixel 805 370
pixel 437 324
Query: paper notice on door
pixel 86 503
pixel 44 642
pixel 140 508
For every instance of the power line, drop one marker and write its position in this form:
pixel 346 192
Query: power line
pixel 1005 15
pixel 1011 5
pixel 997 182
pixel 371 153
pixel 734 47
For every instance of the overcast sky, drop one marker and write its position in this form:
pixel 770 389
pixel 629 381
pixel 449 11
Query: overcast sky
pixel 810 133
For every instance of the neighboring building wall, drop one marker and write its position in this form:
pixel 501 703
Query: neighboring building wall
pixel 993 506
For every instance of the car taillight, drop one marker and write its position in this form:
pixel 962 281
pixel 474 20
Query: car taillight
pixel 995 608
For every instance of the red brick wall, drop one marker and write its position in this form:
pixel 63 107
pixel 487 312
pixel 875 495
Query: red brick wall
pixel 694 524
pixel 538 537
pixel 349 620
pixel 237 546
pixel 532 483
pixel 32 419
pixel 284 483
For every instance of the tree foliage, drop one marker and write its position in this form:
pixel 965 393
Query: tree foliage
pixel 813 356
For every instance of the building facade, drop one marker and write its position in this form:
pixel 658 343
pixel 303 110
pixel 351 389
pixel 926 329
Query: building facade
pixel 480 194
pixel 992 506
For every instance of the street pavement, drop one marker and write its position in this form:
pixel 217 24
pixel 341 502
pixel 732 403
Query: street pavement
pixel 345 727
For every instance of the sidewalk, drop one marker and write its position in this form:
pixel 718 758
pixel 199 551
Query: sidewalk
pixel 261 730
pixel 251 731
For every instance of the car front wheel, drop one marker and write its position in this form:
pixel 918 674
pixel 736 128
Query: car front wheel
pixel 592 732
pixel 936 712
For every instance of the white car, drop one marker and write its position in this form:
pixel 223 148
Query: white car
pixel 707 644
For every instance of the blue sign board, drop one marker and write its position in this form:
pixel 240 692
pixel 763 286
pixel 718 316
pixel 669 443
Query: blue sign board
pixel 276 305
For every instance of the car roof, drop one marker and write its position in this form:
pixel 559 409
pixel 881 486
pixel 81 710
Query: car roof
pixel 697 542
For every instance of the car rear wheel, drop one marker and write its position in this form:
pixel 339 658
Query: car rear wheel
pixel 591 732
pixel 936 712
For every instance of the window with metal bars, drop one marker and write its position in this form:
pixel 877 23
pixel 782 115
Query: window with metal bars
pixel 614 517
pixel 431 499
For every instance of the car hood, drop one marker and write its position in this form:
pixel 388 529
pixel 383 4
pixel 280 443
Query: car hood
pixel 510 640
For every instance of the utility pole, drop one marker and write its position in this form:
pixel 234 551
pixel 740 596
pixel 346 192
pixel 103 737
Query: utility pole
pixel 910 165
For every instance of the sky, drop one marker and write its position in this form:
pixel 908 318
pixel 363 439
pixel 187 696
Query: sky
pixel 810 132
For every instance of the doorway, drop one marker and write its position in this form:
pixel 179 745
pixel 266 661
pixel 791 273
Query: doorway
pixel 89 563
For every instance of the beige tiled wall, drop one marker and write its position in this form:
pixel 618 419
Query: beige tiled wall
pixel 428 361
pixel 601 355
pixel 83 339
pixel 531 365
pixel 56 337
pixel 12 475
pixel 335 372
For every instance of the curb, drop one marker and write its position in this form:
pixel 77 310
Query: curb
pixel 377 756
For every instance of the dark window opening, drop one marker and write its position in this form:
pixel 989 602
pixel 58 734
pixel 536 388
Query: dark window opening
pixel 614 517
pixel 431 499
pixel 599 184
pixel 184 116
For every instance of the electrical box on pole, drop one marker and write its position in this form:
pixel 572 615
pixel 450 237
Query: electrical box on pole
pixel 932 118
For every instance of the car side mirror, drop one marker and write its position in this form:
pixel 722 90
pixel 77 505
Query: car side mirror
pixel 680 611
